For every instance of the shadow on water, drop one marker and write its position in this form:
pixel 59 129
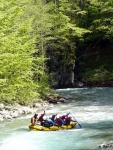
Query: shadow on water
pixel 101 130
pixel 106 124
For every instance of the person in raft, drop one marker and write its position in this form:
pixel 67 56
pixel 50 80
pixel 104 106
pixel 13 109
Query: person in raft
pixel 66 119
pixel 51 120
pixel 58 121
pixel 34 119
pixel 65 116
pixel 53 117
pixel 48 122
pixel 40 119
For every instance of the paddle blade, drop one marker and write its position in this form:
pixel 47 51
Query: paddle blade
pixel 79 125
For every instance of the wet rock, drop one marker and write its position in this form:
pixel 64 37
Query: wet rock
pixel 4 112
pixel 8 108
pixel 45 105
pixel 14 114
pixel 27 110
pixel 53 101
pixel 62 100
pixel 37 105
pixel 1 106
pixel 7 116
pixel 57 99
pixel 20 111
pixel 68 97
pixel 107 146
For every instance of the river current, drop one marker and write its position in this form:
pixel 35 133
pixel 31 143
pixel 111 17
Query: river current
pixel 93 109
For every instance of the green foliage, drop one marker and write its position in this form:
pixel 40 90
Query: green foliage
pixel 16 49
pixel 95 51
pixel 99 75
pixel 39 38
pixel 101 22
pixel 66 32
pixel 41 24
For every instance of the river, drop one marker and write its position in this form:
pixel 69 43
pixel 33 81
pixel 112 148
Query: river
pixel 93 109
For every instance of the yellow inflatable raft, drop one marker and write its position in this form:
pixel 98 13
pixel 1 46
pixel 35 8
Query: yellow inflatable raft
pixel 52 128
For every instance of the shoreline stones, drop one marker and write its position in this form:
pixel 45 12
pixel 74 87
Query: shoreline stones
pixel 9 112
pixel 59 99
pixel 14 111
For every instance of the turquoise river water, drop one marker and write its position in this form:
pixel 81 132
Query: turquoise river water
pixel 93 109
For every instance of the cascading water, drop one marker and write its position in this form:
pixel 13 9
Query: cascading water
pixel 93 109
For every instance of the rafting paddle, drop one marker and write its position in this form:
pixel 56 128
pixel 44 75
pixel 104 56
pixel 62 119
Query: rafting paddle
pixel 77 122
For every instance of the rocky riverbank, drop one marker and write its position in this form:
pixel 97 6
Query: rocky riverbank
pixel 8 112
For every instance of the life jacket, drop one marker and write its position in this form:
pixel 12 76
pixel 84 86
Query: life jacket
pixel 67 120
pixel 63 117
pixel 41 118
pixel 58 121
pixel 33 120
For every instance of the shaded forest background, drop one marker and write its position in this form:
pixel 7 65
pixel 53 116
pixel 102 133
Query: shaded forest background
pixel 48 44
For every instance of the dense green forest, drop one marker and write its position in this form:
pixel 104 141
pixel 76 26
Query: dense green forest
pixel 48 44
